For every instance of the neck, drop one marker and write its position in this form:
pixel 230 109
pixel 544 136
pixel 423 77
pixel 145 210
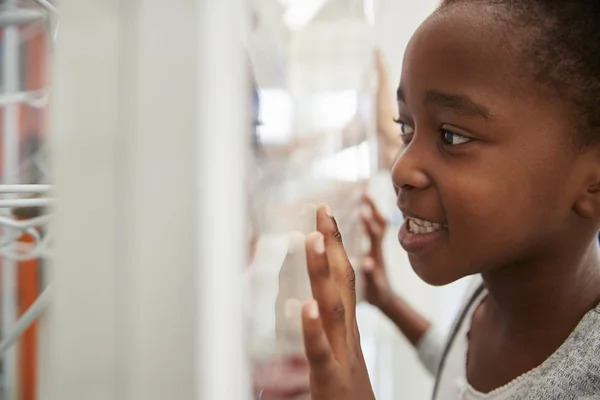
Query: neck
pixel 540 294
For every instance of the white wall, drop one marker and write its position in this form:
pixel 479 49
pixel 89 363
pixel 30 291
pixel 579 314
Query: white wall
pixel 148 138
pixel 396 21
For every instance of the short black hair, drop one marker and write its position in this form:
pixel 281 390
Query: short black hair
pixel 564 51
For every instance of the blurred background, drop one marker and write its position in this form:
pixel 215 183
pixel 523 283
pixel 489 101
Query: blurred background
pixel 144 110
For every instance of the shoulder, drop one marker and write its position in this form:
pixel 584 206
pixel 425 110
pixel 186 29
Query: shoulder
pixel 573 371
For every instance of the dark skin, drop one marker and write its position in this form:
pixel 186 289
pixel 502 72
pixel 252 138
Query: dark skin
pixel 491 155
pixel 493 159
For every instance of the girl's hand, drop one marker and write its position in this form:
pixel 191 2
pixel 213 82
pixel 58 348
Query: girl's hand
pixel 332 341
pixel 377 287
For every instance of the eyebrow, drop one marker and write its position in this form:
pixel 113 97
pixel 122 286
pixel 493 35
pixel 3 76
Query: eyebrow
pixel 461 103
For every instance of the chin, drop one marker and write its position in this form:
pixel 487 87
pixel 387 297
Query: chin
pixel 434 273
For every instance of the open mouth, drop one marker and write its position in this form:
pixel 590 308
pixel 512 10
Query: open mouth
pixel 420 227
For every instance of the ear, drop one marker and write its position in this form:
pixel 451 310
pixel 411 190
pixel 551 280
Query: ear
pixel 588 204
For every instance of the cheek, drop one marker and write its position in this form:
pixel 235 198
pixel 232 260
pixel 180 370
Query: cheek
pixel 502 211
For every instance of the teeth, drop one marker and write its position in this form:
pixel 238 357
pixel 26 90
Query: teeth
pixel 419 226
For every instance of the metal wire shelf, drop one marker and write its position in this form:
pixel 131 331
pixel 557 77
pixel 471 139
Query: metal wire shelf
pixel 26 216
pixel 24 209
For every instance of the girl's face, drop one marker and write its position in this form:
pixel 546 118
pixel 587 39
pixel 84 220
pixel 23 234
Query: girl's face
pixel 488 155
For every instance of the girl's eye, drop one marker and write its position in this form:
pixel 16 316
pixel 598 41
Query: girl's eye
pixel 406 130
pixel 453 139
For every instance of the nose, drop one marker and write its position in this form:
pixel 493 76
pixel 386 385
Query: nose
pixel 409 169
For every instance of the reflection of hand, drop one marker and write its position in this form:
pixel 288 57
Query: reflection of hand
pixel 385 106
pixel 377 288
pixel 282 379
pixel 388 132
pixel 331 337
pixel 293 290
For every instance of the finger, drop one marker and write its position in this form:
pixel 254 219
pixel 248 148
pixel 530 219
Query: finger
pixel 374 230
pixel 337 259
pixel 372 273
pixel 380 65
pixel 368 265
pixel 326 292
pixel 375 233
pixel 318 351
pixel 375 210
pixel 367 269
pixel 377 57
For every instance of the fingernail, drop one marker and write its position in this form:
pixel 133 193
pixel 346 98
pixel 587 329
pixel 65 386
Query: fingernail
pixel 319 244
pixel 328 210
pixel 313 310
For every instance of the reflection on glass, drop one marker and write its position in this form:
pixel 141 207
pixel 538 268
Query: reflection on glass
pixel 312 63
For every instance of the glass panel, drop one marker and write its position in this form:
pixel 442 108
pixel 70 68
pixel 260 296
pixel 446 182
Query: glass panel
pixel 312 63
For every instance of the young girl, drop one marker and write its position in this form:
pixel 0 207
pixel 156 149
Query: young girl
pixel 499 176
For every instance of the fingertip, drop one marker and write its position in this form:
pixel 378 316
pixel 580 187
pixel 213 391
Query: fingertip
pixel 370 204
pixel 315 241
pixel 312 309
pixel 326 223
pixel 368 265
pixel 311 318
pixel 327 209
pixel 311 322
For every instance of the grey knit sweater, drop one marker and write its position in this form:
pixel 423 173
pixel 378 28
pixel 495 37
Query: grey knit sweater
pixel 572 372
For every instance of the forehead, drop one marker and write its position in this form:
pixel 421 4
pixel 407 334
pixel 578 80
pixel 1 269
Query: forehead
pixel 464 50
